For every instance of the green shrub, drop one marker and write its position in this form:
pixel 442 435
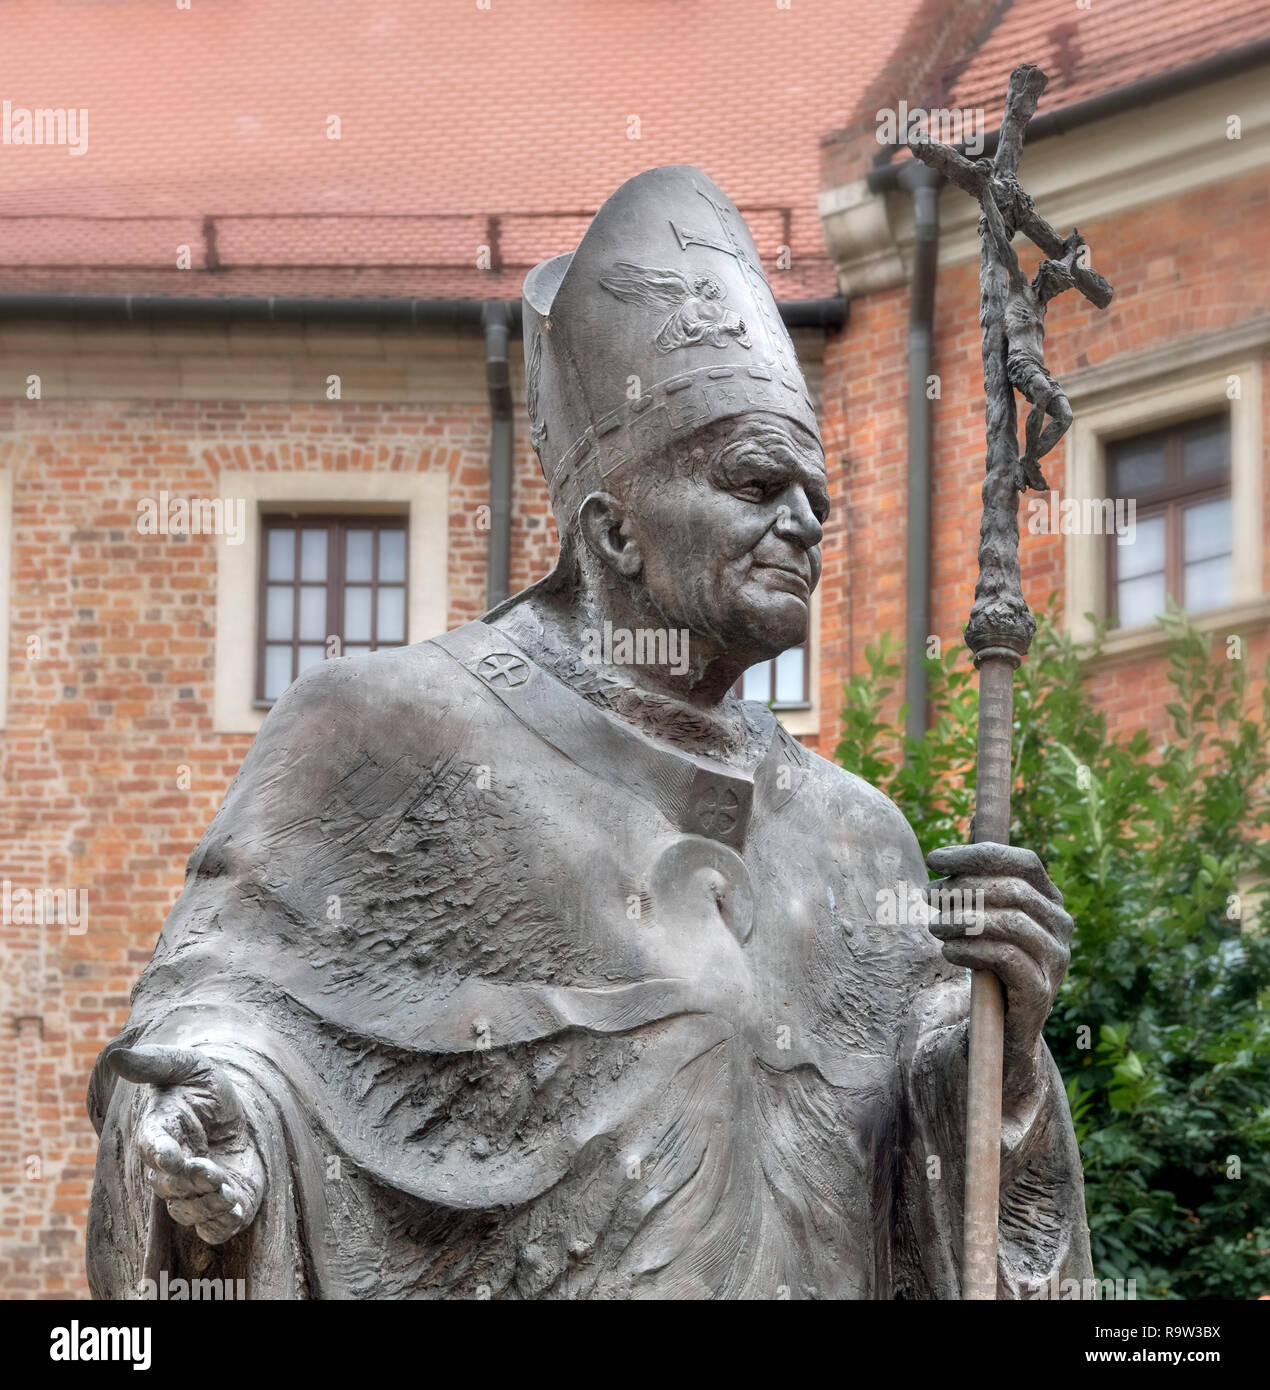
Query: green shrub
pixel 1161 1026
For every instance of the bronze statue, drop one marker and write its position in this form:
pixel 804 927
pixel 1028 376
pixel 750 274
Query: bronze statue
pixel 508 972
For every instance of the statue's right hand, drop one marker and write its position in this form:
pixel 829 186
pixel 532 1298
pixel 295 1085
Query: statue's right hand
pixel 193 1139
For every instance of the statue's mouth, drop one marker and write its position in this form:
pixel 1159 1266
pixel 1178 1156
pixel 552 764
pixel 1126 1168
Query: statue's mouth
pixel 792 581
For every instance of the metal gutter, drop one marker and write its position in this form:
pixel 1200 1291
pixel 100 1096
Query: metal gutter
pixel 496 320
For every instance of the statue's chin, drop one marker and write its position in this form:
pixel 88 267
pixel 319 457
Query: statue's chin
pixel 780 622
pixel 751 627
pixel 756 644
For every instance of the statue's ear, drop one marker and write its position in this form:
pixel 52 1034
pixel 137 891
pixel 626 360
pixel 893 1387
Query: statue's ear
pixel 609 534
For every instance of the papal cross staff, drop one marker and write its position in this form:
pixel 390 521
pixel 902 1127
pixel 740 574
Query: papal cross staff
pixel 1000 630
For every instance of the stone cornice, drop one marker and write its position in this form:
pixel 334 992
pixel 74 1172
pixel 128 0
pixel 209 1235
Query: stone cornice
pixel 1137 157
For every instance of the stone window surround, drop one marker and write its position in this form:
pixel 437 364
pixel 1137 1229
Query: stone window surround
pixel 422 497
pixel 1154 389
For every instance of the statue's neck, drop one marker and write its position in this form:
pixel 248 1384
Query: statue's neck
pixel 679 707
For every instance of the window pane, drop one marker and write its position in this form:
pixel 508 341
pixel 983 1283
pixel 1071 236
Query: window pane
pixel 1204 449
pixel 1206 530
pixel 313 554
pixel 789 677
pixel 756 684
pixel 392 557
pixel 357 553
pixel 282 554
pixel 298 602
pixel 1208 583
pixel 1146 553
pixel 280 613
pixel 313 613
pixel 356 614
pixel 391 616
pixel 1137 468
pixel 1140 601
pixel 277 671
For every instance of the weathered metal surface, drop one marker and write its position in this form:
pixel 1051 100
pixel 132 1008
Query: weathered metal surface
pixel 529 962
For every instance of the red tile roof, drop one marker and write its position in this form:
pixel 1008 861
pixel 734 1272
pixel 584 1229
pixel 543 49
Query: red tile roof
pixel 1113 44
pixel 1117 46
pixel 461 128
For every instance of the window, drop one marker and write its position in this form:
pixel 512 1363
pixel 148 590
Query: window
pixel 1183 541
pixel 324 578
pixel 315 497
pixel 1124 399
pixel 784 682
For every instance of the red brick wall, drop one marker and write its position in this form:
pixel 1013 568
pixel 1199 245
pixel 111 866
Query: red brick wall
pixel 118 701
pixel 1194 266
pixel 864 430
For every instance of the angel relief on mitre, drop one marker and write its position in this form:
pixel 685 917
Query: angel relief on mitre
pixel 697 313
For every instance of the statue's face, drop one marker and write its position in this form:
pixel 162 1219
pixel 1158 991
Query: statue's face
pixel 729 534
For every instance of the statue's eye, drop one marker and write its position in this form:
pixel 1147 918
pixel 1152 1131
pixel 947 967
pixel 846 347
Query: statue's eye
pixel 753 491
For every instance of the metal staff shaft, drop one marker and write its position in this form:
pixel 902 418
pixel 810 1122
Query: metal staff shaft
pixel 1001 626
pixel 987 1003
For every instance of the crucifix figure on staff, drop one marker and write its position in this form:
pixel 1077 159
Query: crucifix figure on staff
pixel 1024 335
pixel 1012 317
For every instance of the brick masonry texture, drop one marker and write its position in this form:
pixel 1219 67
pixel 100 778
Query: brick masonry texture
pixel 111 769
pixel 1195 266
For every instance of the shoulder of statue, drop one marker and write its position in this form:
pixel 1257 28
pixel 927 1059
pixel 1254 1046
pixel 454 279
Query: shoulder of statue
pixel 353 699
pixel 843 795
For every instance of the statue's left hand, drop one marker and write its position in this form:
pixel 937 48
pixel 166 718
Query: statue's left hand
pixel 1021 935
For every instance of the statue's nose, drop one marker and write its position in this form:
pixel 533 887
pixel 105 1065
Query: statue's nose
pixel 797 522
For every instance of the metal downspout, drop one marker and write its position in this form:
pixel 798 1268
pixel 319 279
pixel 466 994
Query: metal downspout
pixel 923 185
pixel 496 322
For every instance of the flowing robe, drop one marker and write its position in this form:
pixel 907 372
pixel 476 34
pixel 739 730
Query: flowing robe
pixel 524 1003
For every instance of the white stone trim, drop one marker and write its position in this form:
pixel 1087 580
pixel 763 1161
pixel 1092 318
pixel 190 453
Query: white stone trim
pixel 1149 403
pixel 862 231
pixel 424 367
pixel 248 362
pixel 423 496
pixel 1251 338
pixel 1143 641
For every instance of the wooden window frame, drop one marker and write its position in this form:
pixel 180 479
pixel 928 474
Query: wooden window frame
pixel 771 701
pixel 337 526
pixel 1169 499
